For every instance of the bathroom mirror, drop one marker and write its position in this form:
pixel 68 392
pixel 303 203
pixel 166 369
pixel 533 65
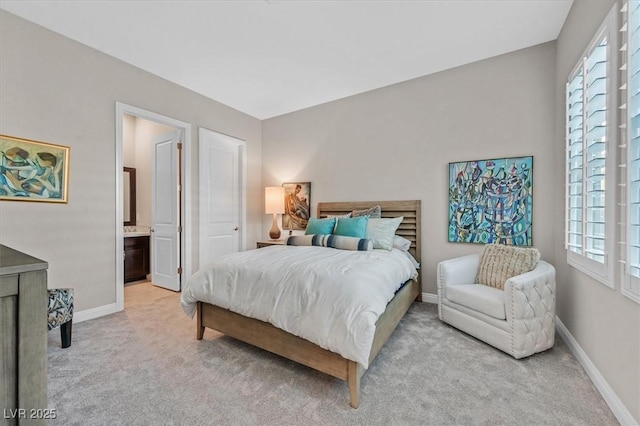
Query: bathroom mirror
pixel 129 196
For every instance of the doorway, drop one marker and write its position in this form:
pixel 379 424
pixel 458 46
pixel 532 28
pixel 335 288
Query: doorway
pixel 164 134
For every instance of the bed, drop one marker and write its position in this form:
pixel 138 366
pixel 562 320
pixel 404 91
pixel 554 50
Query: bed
pixel 273 339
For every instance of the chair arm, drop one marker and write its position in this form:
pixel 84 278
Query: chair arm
pixel 532 294
pixel 461 270
pixel 530 305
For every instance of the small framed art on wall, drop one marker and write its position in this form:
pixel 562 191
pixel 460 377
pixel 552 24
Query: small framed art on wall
pixel 33 171
pixel 297 205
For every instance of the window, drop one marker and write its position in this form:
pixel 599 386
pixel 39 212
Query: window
pixel 630 146
pixel 590 205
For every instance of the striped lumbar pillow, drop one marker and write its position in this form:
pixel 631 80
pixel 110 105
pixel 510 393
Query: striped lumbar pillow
pixel 333 241
pixel 348 243
pixel 305 240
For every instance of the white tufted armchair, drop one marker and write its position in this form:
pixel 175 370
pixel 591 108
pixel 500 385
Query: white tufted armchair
pixel 519 320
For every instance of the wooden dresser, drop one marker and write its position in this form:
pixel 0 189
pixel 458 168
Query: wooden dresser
pixel 23 338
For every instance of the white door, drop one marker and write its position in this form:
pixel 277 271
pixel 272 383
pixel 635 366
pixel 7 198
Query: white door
pixel 165 216
pixel 221 195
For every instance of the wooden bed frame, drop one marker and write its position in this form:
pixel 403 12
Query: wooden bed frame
pixel 275 340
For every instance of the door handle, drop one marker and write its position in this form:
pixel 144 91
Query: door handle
pixel 236 228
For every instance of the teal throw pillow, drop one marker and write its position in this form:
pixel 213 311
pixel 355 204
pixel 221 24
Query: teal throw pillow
pixel 320 226
pixel 352 227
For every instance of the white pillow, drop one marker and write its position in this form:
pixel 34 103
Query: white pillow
pixel 401 243
pixel 382 231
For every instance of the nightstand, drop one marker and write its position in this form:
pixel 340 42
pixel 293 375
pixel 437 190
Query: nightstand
pixel 266 243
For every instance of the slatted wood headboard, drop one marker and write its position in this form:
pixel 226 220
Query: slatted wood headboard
pixel 409 228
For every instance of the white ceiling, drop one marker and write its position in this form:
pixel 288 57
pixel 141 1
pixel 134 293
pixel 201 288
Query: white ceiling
pixel 268 58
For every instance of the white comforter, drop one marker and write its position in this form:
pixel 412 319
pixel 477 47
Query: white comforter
pixel 330 297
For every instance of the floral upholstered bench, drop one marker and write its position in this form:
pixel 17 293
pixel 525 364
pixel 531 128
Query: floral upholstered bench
pixel 60 310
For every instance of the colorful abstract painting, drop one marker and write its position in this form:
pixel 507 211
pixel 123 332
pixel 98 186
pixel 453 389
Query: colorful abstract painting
pixel 491 201
pixel 33 171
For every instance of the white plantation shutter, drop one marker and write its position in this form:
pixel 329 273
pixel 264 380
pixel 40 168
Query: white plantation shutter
pixel 596 151
pixel 590 177
pixel 575 113
pixel 634 137
pixel 630 147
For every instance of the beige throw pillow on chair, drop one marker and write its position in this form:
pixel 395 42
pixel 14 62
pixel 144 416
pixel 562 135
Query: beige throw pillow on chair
pixel 499 263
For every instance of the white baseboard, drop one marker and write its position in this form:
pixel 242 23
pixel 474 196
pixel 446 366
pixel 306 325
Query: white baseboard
pixel 617 407
pixel 92 313
pixel 429 298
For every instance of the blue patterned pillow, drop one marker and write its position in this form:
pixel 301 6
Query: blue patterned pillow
pixel 352 227
pixel 320 226
pixel 372 212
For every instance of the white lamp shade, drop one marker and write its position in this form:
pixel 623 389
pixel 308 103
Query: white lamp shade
pixel 274 200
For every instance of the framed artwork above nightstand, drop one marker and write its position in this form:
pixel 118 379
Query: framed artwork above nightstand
pixel 266 243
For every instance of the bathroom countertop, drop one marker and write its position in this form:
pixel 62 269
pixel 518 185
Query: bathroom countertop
pixel 136 234
pixel 137 231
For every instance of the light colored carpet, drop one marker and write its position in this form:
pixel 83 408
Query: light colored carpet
pixel 144 366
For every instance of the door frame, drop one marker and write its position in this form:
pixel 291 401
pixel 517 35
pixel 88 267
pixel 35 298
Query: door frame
pixel 185 205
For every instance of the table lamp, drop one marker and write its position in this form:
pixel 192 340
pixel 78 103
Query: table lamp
pixel 274 204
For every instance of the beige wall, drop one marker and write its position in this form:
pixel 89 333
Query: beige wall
pixel 605 323
pixel 396 142
pixel 56 90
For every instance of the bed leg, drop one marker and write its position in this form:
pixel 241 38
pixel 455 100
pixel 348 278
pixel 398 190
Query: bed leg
pixel 355 372
pixel 200 327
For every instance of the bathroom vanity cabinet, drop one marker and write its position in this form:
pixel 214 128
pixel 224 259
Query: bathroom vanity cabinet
pixel 136 258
